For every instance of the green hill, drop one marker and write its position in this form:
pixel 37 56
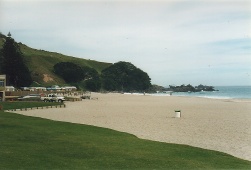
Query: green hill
pixel 41 62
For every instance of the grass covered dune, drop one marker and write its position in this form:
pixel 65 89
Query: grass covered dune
pixel 36 143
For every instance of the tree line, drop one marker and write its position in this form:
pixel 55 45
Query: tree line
pixel 121 76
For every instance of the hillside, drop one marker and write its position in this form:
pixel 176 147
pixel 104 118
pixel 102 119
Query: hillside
pixel 40 63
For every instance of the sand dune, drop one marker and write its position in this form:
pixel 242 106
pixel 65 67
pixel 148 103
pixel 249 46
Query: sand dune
pixel 222 125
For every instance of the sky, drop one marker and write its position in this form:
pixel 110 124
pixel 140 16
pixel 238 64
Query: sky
pixel 175 41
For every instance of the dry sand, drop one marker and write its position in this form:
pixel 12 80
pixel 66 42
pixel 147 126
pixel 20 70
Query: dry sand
pixel 222 125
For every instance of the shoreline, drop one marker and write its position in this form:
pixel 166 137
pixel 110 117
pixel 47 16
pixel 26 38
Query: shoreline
pixel 220 125
pixel 207 97
pixel 227 99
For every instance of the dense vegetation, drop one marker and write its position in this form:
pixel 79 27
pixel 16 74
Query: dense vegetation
pixel 190 88
pixel 121 76
pixel 35 143
pixel 85 77
pixel 70 72
pixel 12 64
pixel 124 76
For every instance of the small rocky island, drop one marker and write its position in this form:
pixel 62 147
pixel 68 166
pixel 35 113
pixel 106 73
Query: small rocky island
pixel 190 88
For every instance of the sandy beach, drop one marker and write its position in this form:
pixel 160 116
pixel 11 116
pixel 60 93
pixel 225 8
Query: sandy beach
pixel 222 125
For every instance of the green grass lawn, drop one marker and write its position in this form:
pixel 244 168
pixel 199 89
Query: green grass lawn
pixel 36 143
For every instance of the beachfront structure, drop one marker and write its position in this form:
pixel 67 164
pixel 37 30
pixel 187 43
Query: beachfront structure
pixel 37 88
pixel 65 88
pixel 69 88
pixel 2 87
pixel 9 88
pixel 33 88
pixel 54 88
pixel 25 88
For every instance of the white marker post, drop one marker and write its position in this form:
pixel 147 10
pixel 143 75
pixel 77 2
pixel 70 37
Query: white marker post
pixel 177 113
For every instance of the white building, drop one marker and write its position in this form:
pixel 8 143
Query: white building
pixel 9 88
pixel 2 87
pixel 69 88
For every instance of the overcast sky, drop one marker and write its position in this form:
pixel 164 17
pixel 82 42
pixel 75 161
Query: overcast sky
pixel 175 42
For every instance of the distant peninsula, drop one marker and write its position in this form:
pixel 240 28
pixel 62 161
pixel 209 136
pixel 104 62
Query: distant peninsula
pixel 190 88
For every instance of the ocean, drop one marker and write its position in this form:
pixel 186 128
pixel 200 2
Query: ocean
pixel 225 92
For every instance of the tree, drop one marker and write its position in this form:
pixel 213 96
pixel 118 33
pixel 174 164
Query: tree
pixel 70 72
pixel 13 64
pixel 1 54
pixel 93 83
pixel 1 62
pixel 124 76
pixel 86 77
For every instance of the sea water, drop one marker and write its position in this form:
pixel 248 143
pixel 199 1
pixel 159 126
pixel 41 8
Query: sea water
pixel 223 92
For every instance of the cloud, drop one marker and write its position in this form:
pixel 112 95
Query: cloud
pixel 170 40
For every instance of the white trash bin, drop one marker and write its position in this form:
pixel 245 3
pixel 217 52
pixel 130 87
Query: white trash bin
pixel 177 113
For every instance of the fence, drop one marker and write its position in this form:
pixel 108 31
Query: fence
pixel 40 107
